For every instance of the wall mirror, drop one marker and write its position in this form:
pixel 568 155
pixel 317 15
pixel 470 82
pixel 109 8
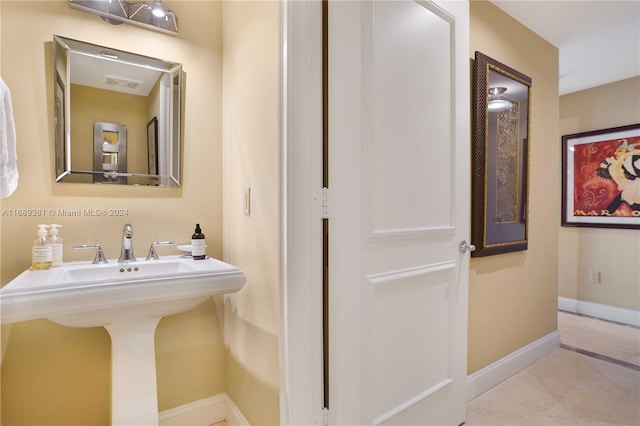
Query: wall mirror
pixel 500 158
pixel 117 116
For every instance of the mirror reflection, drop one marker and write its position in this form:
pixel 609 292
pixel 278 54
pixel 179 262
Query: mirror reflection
pixel 117 116
pixel 500 158
pixel 507 111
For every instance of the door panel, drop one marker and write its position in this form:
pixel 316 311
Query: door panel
pixel 398 120
pixel 407 79
pixel 407 300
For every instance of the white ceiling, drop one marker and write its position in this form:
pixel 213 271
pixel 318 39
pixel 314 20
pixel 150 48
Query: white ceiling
pixel 598 40
pixel 112 75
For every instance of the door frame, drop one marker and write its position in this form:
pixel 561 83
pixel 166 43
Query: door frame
pixel 300 135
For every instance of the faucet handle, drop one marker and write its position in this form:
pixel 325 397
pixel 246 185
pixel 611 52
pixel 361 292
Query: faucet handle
pixel 99 254
pixel 152 249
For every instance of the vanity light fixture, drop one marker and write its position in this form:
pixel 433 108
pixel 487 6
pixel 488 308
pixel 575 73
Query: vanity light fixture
pixel 152 15
pixel 496 101
pixel 158 9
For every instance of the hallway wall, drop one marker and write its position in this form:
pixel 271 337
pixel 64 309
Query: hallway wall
pixel 612 252
pixel 513 297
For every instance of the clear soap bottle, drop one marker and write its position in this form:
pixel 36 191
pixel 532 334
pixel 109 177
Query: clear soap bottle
pixel 41 252
pixel 55 241
pixel 198 245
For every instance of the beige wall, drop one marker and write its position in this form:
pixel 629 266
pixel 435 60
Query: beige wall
pixel 612 252
pixel 92 105
pixel 56 375
pixel 513 297
pixel 251 160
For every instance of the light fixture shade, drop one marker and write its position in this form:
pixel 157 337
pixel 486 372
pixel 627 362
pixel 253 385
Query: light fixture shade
pixel 496 102
pixel 153 15
pixel 158 10
pixel 499 104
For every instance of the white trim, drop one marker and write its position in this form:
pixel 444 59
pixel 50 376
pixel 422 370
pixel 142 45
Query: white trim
pixel 408 233
pixel 597 310
pixel 204 412
pixel 234 415
pixel 411 402
pixel 390 276
pixel 483 380
pixel 300 125
pixel 283 218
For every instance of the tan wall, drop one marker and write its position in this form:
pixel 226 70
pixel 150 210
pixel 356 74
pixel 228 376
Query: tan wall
pixel 90 105
pixel 513 297
pixel 4 334
pixel 56 375
pixel 250 76
pixel 612 252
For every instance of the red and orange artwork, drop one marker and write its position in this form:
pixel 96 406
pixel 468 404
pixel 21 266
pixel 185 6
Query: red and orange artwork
pixel 607 178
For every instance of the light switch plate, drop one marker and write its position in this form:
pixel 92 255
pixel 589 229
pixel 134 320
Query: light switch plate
pixel 247 201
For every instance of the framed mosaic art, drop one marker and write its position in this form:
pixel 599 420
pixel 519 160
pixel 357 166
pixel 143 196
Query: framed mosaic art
pixel 601 178
pixel 500 158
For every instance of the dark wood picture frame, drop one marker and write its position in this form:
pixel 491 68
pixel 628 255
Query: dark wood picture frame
pixel 601 178
pixel 152 145
pixel 500 158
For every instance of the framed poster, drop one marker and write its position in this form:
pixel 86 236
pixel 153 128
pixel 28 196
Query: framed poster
pixel 601 178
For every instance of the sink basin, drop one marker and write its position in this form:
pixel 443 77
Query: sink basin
pixel 78 294
pixel 128 300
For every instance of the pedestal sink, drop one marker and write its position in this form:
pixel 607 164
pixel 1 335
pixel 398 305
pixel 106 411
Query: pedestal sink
pixel 128 300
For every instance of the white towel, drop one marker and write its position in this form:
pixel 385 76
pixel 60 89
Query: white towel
pixel 8 157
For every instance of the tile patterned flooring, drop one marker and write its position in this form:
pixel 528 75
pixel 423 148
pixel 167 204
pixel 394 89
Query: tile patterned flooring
pixel 567 387
pixel 601 337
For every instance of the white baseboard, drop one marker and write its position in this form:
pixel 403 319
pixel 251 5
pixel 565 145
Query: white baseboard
pixel 235 416
pixel 204 412
pixel 483 380
pixel 606 312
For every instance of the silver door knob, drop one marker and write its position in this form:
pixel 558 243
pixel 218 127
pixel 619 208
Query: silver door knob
pixel 466 247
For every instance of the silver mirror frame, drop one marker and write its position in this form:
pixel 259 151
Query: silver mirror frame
pixel 169 130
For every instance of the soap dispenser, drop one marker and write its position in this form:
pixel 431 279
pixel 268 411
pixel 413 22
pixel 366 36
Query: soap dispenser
pixel 55 241
pixel 198 245
pixel 41 251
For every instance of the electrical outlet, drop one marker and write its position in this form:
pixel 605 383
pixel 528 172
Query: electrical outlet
pixel 594 277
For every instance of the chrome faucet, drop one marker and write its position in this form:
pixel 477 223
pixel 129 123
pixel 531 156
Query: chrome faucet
pixel 126 254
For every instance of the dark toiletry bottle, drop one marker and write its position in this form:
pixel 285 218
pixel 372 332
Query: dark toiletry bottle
pixel 198 246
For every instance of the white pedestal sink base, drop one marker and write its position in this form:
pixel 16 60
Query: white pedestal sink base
pixel 134 396
pixel 128 300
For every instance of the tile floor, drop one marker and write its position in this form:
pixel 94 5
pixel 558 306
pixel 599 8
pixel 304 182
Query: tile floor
pixel 602 337
pixel 566 387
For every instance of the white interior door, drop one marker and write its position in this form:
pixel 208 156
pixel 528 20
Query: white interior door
pixel 398 129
